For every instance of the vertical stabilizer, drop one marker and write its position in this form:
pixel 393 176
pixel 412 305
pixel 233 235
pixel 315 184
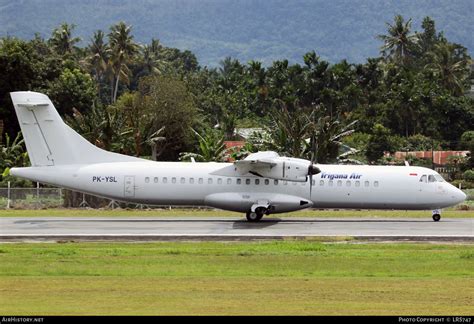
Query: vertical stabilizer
pixel 49 140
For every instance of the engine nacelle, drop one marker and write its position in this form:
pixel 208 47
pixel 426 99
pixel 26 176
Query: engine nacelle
pixel 284 168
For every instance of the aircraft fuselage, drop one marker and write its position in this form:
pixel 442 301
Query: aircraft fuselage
pixel 172 183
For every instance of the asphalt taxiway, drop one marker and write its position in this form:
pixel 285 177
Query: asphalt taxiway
pixel 14 229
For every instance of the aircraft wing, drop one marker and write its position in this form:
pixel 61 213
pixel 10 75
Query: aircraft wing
pixel 256 162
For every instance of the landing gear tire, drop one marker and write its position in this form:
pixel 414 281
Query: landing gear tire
pixel 254 217
pixel 436 217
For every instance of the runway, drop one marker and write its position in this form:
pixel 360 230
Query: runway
pixel 14 229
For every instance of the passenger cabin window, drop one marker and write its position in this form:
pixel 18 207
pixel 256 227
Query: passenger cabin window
pixel 257 181
pixel 357 183
pixel 173 180
pixel 321 182
pixel 182 180
pixel 155 179
pixel 247 181
pixel 239 181
pixel 366 183
pixel 165 179
pixel 191 180
pixel 348 183
pixel 330 183
pixel 376 183
pixel 209 181
pixel 219 181
pixel 147 179
pixel 229 181
pixel 339 183
pixel 275 182
pixel 267 182
pixel 201 181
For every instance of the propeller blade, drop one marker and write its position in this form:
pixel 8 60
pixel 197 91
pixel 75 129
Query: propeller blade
pixel 312 170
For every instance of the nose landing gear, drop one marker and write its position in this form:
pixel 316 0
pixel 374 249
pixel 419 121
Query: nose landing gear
pixel 436 215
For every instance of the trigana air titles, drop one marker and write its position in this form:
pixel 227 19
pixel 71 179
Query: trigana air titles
pixel 261 184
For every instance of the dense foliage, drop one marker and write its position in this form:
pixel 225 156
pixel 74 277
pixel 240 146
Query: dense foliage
pixel 152 100
pixel 245 29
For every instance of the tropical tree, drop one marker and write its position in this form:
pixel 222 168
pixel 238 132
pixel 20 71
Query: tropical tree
pixel 325 135
pixel 151 56
pixel 379 142
pixel 166 102
pixel 211 147
pixel 122 49
pixel 398 44
pixel 154 140
pixel 288 131
pixel 98 57
pixel 62 40
pixel 451 69
pixel 72 89
pixel 138 118
pixel 104 127
pixel 12 154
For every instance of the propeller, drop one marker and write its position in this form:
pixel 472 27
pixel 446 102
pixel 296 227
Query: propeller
pixel 312 168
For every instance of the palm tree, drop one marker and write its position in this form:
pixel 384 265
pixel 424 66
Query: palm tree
pixel 98 57
pixel 151 60
pixel 326 134
pixel 450 69
pixel 306 133
pixel 211 147
pixel 122 49
pixel 62 40
pixel 399 42
pixel 288 131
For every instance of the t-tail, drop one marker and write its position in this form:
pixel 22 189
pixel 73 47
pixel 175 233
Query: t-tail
pixel 49 141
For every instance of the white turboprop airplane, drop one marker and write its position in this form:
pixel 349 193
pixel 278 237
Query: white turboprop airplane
pixel 263 183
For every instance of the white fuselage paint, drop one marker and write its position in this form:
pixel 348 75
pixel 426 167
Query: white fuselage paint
pixel 175 183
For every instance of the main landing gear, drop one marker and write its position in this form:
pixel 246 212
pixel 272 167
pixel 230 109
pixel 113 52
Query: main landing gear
pixel 257 215
pixel 436 215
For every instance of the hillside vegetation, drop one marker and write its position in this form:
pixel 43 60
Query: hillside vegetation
pixel 246 29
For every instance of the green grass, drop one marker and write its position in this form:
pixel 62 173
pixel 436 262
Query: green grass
pixel 293 277
pixel 221 213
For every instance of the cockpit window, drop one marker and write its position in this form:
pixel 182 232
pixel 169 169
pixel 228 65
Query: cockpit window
pixel 431 178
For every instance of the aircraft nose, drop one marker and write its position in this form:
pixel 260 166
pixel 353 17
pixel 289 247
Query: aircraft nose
pixel 458 195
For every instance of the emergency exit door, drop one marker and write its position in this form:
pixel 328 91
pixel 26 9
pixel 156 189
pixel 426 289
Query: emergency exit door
pixel 129 186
